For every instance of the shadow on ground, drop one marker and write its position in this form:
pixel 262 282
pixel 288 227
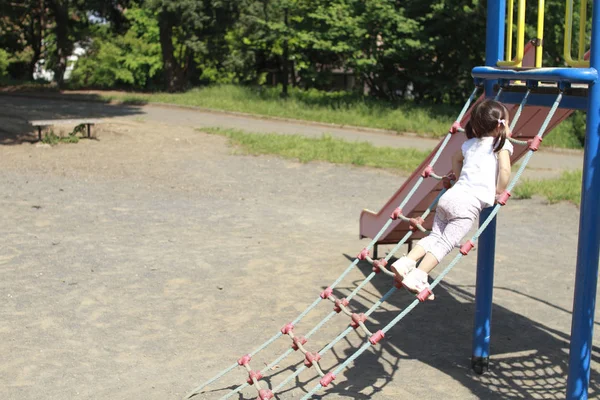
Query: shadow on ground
pixel 529 359
pixel 17 110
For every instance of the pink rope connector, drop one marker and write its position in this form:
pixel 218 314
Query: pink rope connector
pixel 245 360
pixel 298 340
pixel 357 319
pixel 503 198
pixel 363 254
pixel 264 394
pixel 466 248
pixel 287 328
pixel 427 172
pixel 326 380
pixel 338 303
pixel 326 293
pixel 376 337
pixel 424 294
pixel 311 358
pixel 396 213
pixel 378 264
pixel 534 144
pixel 416 221
pixel 455 128
pixel 254 374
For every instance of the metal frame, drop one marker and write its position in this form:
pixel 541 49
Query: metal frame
pixel 586 277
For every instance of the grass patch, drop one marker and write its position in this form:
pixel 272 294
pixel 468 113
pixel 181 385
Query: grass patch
pixel 326 148
pixel 52 138
pixel 565 188
pixel 341 108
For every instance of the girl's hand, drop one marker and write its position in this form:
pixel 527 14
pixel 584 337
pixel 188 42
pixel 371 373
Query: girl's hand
pixel 447 180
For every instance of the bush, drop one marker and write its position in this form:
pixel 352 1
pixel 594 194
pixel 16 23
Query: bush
pixel 4 62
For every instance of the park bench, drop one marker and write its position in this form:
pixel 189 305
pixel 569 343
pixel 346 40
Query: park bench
pixel 40 124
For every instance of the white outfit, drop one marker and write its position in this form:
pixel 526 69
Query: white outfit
pixel 479 173
pixel 459 206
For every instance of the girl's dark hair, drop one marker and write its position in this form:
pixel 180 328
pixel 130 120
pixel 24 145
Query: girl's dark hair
pixel 485 121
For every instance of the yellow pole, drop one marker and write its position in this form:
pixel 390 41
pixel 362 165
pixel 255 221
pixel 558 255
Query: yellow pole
pixel 517 62
pixel 509 29
pixel 539 51
pixel 569 38
pixel 582 26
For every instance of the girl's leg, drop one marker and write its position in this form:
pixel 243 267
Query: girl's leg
pixel 404 265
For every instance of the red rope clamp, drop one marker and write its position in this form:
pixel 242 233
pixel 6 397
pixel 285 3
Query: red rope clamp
pixel 339 303
pixel 416 221
pixel 254 374
pixel 245 360
pixel 376 337
pixel 357 319
pixel 287 328
pixel 396 214
pixel 503 198
pixel 326 380
pixel 326 293
pixel 363 254
pixel 311 358
pixel 455 128
pixel 298 340
pixel 378 264
pixel 466 248
pixel 424 294
pixel 534 144
pixel 427 172
pixel 264 394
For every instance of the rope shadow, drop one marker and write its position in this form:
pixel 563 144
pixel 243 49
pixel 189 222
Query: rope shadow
pixel 529 359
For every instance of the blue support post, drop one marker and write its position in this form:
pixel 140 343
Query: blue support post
pixel 483 294
pixel 586 275
pixel 494 39
pixel 494 48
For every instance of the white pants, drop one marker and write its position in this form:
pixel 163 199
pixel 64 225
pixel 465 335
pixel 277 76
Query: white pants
pixel 456 211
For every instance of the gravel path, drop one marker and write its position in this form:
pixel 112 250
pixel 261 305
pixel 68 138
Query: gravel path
pixel 140 264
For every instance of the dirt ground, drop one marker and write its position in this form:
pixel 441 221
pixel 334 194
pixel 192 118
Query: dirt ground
pixel 142 262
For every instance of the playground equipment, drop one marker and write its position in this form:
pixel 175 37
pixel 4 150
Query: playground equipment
pixel 550 93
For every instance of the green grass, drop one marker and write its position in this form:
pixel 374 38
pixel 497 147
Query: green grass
pixel 52 138
pixel 312 105
pixel 326 148
pixel 565 188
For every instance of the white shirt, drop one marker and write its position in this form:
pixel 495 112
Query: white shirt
pixel 479 173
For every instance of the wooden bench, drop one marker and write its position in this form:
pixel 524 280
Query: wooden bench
pixel 42 123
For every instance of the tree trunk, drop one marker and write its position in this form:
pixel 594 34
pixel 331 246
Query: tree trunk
pixel 174 74
pixel 63 44
pixel 36 32
pixel 286 58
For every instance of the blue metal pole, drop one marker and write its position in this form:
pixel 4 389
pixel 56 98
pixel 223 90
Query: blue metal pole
pixel 494 47
pixel 494 38
pixel 586 275
pixel 483 294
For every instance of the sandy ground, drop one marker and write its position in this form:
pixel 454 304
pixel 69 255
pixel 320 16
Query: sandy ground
pixel 141 263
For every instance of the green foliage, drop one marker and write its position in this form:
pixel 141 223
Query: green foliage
pixel 326 148
pixel 565 188
pixel 132 59
pixel 53 139
pixel 4 62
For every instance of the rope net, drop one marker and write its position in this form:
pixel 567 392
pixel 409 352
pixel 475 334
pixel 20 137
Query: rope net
pixel 341 305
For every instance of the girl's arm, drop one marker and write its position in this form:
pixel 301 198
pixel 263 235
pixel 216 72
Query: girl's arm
pixel 504 170
pixel 457 163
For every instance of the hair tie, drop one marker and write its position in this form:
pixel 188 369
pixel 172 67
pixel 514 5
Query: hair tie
pixel 501 122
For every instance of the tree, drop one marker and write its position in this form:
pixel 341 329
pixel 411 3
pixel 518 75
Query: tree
pixel 189 28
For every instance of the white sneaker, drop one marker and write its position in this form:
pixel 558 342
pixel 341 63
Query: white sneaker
pixel 416 282
pixel 402 267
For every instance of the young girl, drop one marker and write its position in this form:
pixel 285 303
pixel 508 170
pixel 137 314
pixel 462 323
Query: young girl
pixel 483 168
